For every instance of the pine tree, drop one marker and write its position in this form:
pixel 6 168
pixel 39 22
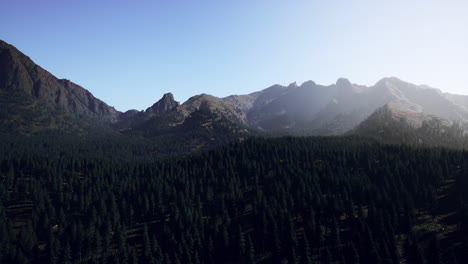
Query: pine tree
pixel 66 254
pixel 433 251
pixel 250 251
pixel 307 252
pixel 241 242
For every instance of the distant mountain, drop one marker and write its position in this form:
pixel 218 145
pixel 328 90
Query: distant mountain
pixel 202 121
pixel 460 100
pixel 132 118
pixel 164 105
pixel 337 108
pixel 393 123
pixel 33 100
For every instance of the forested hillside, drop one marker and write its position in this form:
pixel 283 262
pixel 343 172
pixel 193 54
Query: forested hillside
pixel 395 125
pixel 286 200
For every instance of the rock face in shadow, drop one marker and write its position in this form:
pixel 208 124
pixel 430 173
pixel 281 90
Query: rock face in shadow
pixel 32 99
pixel 165 104
pixel 18 73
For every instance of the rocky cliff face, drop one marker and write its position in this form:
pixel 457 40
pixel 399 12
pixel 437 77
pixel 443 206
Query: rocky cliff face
pixel 31 98
pixel 18 73
pixel 337 108
pixel 165 104
pixel 134 118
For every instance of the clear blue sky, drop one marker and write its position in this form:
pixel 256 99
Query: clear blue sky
pixel 128 53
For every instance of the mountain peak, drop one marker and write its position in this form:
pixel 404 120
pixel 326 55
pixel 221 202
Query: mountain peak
pixel 343 82
pixel 389 80
pixel 165 104
pixel 168 96
pixel 308 83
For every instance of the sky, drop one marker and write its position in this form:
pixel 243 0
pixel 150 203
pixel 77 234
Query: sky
pixel 129 53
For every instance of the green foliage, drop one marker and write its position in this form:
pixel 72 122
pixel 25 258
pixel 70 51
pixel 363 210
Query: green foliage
pixel 297 200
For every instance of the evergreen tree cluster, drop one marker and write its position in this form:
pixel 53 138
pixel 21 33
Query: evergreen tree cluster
pixel 286 200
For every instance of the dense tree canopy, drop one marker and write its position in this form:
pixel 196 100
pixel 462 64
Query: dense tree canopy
pixel 287 200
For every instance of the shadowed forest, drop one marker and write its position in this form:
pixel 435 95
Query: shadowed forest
pixel 284 200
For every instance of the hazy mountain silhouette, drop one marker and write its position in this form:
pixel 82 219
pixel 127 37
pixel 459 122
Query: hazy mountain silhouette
pixel 395 124
pixel 324 108
pixel 32 100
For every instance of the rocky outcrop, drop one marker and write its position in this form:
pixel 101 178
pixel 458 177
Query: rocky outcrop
pixel 310 108
pixel 19 73
pixel 165 104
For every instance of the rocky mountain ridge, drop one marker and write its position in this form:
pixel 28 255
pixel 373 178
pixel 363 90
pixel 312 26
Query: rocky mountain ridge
pixel 392 123
pixel 41 101
pixel 18 73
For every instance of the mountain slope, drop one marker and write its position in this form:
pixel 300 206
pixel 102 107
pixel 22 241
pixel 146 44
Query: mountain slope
pixel 337 108
pixel 460 100
pixel 134 118
pixel 33 100
pixel 395 124
pixel 203 121
pixel 19 73
pixel 421 98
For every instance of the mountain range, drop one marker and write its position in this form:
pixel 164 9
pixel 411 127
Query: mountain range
pixel 32 101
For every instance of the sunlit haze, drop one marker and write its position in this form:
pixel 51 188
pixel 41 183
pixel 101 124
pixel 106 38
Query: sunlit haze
pixel 128 53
